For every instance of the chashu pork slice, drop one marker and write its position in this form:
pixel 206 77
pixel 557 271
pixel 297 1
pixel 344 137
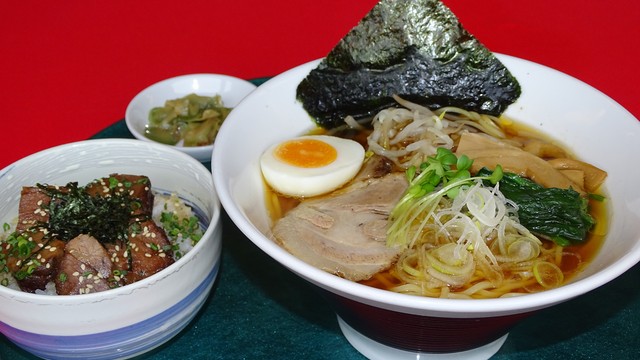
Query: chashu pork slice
pixel 150 250
pixel 42 267
pixel 345 233
pixel 32 209
pixel 84 268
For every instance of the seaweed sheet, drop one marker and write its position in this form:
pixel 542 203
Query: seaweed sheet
pixel 415 49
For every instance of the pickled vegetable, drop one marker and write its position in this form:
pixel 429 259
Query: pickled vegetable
pixel 192 120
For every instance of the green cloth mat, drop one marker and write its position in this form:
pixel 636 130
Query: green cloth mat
pixel 260 310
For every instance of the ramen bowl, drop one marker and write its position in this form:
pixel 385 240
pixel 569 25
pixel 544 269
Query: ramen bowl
pixel 135 318
pixel 231 90
pixel 385 325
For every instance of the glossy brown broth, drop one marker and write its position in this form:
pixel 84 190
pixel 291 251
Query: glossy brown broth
pixel 278 205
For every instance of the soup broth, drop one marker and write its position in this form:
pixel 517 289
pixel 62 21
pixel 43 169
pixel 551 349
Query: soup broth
pixel 570 259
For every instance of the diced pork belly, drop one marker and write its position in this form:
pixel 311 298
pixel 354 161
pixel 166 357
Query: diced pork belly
pixel 85 267
pixel 36 239
pixel 148 245
pixel 45 264
pixel 120 265
pixel 32 207
pixel 136 186
pixel 90 251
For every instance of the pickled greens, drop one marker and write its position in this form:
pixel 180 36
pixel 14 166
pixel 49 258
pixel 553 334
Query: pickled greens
pixel 192 120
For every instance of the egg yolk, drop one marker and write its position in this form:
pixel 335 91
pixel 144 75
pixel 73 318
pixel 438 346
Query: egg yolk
pixel 306 153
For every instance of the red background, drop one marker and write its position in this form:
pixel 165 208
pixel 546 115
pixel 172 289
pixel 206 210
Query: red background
pixel 69 68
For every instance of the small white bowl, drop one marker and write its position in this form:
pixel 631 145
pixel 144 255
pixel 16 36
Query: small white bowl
pixel 387 325
pixel 231 89
pixel 133 319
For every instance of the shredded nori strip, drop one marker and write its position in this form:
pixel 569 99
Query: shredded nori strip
pixel 73 212
pixel 417 50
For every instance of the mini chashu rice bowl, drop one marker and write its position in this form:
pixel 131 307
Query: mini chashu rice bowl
pixel 382 324
pixel 162 203
pixel 135 318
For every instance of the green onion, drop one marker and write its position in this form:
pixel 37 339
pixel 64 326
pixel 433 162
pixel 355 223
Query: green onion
pixel 113 182
pixel 441 175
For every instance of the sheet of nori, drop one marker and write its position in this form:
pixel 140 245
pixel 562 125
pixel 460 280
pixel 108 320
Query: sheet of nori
pixel 415 49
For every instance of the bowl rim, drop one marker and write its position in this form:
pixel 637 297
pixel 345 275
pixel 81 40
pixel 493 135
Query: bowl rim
pixel 214 224
pixel 410 303
pixel 192 150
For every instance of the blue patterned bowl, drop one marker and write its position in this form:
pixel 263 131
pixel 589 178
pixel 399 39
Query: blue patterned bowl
pixel 135 318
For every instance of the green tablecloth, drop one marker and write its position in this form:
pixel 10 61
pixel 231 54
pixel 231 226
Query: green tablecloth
pixel 259 310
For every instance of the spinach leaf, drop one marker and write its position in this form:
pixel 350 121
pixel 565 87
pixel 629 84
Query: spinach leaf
pixel 561 215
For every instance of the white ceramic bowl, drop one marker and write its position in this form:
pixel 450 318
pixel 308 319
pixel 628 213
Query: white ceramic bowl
pixel 135 318
pixel 385 325
pixel 231 89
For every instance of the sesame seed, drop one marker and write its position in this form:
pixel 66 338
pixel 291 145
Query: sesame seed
pixel 147 255
pixel 76 274
pixel 53 248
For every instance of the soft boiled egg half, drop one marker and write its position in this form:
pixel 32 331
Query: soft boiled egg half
pixel 311 165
